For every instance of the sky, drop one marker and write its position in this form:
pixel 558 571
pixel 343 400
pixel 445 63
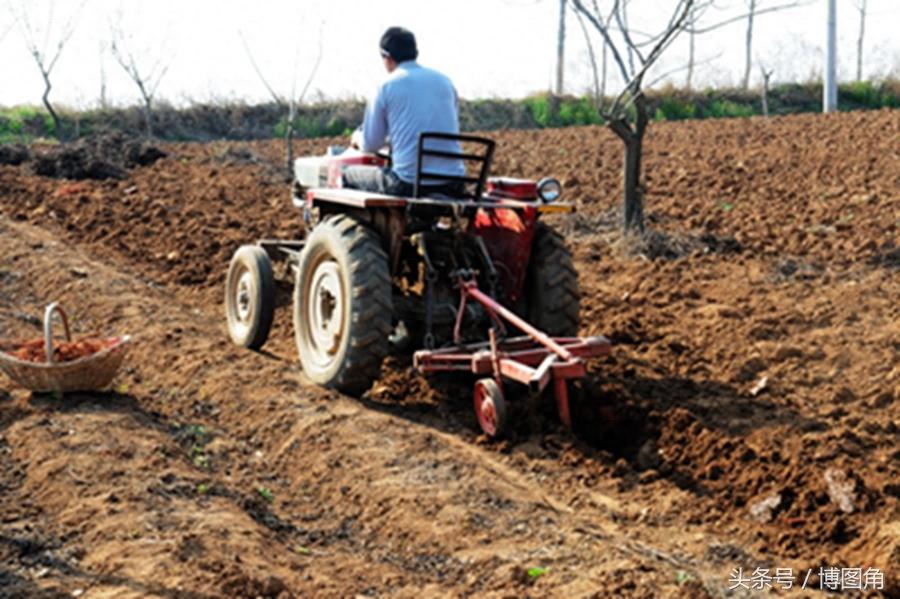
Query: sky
pixel 490 48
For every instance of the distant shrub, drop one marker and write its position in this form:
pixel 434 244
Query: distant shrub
pixel 671 108
pixel 24 123
pixel 868 94
pixel 728 109
pixel 539 107
pixel 578 111
pixel 860 92
pixel 205 122
pixel 565 111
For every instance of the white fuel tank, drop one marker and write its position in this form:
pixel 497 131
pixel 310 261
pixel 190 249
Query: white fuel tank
pixel 311 171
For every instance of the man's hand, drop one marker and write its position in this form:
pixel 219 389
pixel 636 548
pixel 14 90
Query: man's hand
pixel 356 140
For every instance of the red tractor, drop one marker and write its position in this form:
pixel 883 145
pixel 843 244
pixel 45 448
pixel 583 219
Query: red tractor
pixel 475 280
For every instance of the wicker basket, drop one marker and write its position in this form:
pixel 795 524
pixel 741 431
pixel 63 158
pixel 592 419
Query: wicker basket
pixel 91 373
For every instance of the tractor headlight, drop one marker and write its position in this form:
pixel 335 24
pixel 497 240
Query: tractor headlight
pixel 549 190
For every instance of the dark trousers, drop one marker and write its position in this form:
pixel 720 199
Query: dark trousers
pixel 377 179
pixel 386 181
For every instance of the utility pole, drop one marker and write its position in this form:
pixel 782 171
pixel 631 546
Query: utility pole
pixel 829 99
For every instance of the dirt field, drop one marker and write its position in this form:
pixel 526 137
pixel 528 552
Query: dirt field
pixel 749 416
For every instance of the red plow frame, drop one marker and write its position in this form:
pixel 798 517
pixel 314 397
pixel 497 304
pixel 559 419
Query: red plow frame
pixel 535 360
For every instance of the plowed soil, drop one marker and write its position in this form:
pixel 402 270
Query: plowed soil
pixel 749 416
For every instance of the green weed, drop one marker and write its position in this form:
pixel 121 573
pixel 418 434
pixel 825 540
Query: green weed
pixel 266 494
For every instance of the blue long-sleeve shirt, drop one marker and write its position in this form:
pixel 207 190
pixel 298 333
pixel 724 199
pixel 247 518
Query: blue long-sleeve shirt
pixel 412 100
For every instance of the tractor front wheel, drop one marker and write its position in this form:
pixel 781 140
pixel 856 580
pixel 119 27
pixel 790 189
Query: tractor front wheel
pixel 250 297
pixel 342 305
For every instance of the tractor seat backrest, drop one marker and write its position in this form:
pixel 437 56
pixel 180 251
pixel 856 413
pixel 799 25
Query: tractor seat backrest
pixel 471 186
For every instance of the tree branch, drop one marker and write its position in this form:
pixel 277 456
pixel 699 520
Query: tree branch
pixel 598 101
pixel 275 96
pixel 743 16
pixel 604 31
pixel 633 88
pixel 619 9
pixel 682 68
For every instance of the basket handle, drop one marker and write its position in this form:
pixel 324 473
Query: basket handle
pixel 48 328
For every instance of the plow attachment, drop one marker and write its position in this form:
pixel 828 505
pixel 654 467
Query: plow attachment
pixel 535 360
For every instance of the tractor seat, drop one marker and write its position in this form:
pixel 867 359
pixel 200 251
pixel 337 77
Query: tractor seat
pixel 455 187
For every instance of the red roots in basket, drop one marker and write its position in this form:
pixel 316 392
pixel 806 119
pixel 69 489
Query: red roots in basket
pixel 34 349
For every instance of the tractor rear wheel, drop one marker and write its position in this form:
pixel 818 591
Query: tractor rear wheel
pixel 250 297
pixel 553 296
pixel 342 305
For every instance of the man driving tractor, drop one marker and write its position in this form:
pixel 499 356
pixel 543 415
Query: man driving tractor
pixel 435 258
pixel 412 100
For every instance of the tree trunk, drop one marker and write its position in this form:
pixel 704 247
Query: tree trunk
pixel 632 190
pixel 634 201
pixel 148 115
pixel 598 99
pixel 289 139
pixel 46 98
pixel 751 12
pixel 690 66
pixel 561 47
pixel 104 103
pixel 859 40
pixel 604 63
pixel 765 92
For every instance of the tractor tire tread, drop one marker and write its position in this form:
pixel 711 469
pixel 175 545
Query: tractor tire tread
pixel 256 261
pixel 371 321
pixel 554 295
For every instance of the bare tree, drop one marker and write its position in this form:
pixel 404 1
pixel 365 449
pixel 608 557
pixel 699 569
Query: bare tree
pixel 4 32
pixel 290 102
pixel 5 29
pixel 620 10
pixel 748 43
pixel 861 7
pixel 689 79
pixel 146 76
pixel 104 102
pixel 627 115
pixel 692 64
pixel 766 76
pixel 756 8
pixel 561 47
pixel 601 78
pixel 592 56
pixel 46 46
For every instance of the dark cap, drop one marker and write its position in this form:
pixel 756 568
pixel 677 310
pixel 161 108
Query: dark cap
pixel 399 44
